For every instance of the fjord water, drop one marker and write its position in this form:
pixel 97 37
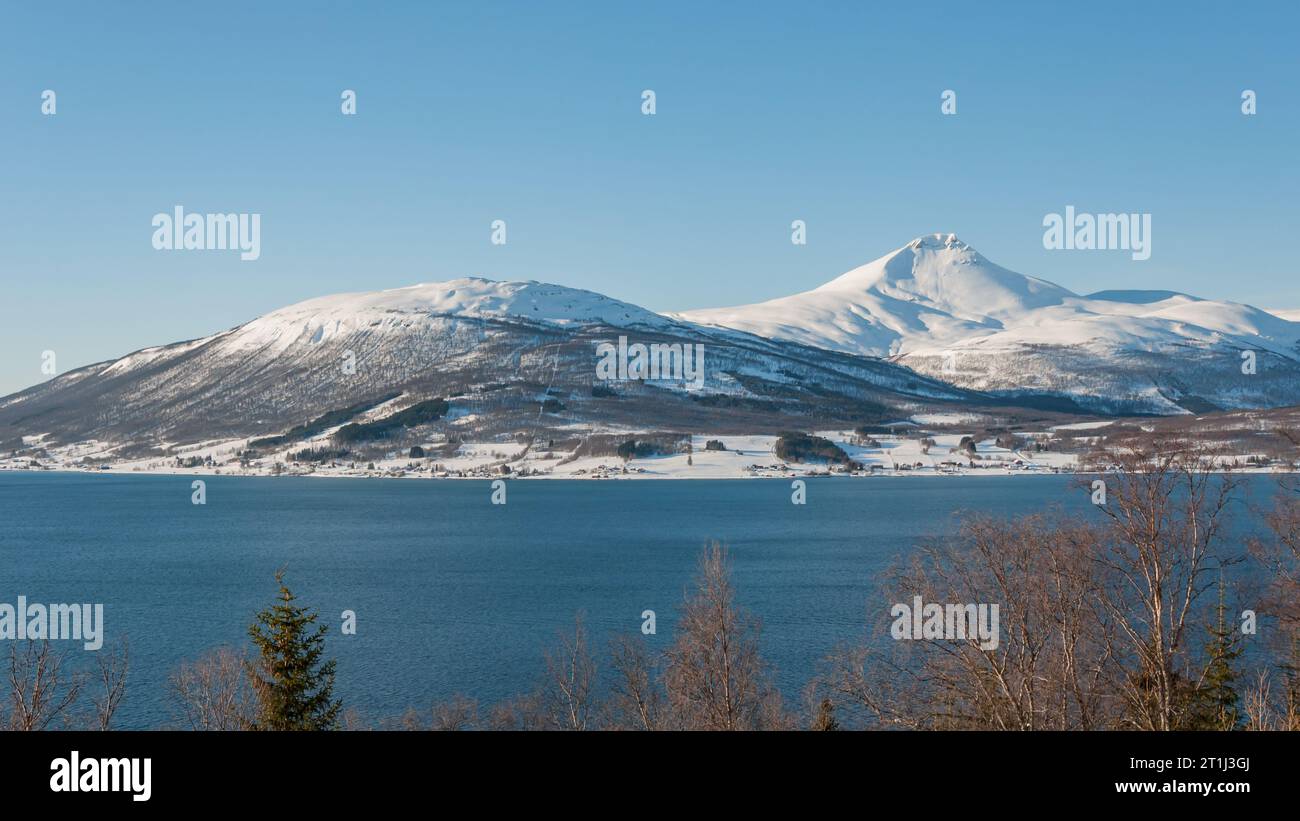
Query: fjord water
pixel 454 594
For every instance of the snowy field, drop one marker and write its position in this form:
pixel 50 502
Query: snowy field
pixel 743 457
pixel 911 450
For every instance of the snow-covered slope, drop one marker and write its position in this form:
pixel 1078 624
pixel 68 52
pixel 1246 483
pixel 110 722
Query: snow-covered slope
pixel 397 312
pixel 931 327
pixel 933 288
pixel 470 297
pixel 937 292
pixel 506 347
pixel 940 307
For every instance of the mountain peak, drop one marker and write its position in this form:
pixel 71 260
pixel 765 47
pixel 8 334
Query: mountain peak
pixel 935 287
pixel 938 240
pixel 397 311
pixel 936 268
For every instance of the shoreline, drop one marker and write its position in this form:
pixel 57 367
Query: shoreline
pixel 703 457
pixel 644 476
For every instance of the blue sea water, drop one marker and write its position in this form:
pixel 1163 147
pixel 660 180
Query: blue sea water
pixel 454 594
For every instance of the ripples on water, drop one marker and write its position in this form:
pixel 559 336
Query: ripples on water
pixel 453 594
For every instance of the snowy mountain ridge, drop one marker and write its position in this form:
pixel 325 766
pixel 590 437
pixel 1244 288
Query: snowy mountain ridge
pixel 512 355
pixel 937 292
pixel 930 327
pixel 940 307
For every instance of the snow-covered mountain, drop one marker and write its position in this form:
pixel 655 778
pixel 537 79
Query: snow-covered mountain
pixel 938 306
pixel 930 328
pixel 498 350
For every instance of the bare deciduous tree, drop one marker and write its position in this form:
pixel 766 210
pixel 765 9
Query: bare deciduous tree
pixel 519 713
pixel 110 674
pixel 213 692
pixel 1167 511
pixel 40 689
pixel 636 701
pixel 1281 556
pixel 566 694
pixel 459 713
pixel 714 676
pixel 1051 655
pixel 1096 618
pixel 1265 709
pixel 353 721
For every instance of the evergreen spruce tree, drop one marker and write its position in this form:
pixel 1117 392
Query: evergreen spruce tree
pixel 1215 702
pixel 295 689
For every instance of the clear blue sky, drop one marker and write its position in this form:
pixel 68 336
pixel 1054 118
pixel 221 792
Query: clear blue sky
pixel 530 112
